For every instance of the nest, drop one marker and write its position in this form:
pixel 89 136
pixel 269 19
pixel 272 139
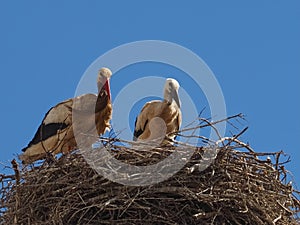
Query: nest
pixel 239 186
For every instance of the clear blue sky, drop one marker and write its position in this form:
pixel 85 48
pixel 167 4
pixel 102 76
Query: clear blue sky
pixel 253 48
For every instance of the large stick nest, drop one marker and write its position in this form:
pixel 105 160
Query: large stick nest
pixel 240 186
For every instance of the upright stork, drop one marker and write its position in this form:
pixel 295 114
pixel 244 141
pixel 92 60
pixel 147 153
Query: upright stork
pixel 160 120
pixel 84 116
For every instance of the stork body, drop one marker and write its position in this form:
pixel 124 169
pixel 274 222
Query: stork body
pixel 160 120
pixel 84 116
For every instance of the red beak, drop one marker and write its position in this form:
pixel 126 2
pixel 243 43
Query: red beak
pixel 107 88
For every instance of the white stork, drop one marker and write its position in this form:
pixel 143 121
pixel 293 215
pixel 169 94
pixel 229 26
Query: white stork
pixel 160 120
pixel 86 115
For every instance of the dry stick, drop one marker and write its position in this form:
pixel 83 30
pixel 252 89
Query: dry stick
pixel 197 119
pixel 212 123
pixel 276 219
pixel 277 164
pixel 239 134
pixel 257 175
pixel 17 179
pixel 233 139
pixel 17 171
pixel 208 123
pixel 196 136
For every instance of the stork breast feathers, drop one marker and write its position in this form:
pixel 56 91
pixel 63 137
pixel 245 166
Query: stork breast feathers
pixel 160 118
pixel 88 114
pixel 169 114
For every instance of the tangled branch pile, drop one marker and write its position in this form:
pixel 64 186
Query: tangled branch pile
pixel 239 186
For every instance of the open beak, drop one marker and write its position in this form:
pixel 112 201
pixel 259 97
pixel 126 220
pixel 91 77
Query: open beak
pixel 176 97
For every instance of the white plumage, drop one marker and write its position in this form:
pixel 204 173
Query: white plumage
pixel 160 120
pixel 84 116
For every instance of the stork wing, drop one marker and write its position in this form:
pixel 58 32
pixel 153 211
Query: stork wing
pixel 55 120
pixel 138 132
pixel 147 113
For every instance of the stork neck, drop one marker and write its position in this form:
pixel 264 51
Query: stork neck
pixel 168 97
pixel 104 87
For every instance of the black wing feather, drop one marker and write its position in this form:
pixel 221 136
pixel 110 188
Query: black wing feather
pixel 137 133
pixel 45 131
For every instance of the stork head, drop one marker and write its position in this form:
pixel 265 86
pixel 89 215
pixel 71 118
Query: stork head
pixel 171 91
pixel 103 80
